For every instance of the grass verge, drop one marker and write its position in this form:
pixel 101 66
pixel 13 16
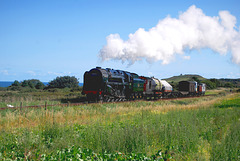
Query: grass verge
pixel 205 128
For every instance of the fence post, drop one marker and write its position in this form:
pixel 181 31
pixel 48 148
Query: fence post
pixel 45 106
pixel 21 105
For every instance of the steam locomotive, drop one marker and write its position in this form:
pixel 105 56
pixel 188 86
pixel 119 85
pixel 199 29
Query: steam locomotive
pixel 110 85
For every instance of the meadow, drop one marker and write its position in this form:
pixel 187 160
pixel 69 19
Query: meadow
pixel 201 128
pixel 30 97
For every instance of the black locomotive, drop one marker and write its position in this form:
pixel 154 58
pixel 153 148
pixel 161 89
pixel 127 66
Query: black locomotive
pixel 111 85
pixel 118 85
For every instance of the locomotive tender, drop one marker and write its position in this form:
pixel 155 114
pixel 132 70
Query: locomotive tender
pixel 117 85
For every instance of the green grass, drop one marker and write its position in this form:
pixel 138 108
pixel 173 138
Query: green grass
pixel 230 102
pixel 53 96
pixel 127 131
pixel 219 91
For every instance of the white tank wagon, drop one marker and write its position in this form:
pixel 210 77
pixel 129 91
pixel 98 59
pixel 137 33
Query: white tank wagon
pixel 152 87
pixel 166 88
pixel 155 88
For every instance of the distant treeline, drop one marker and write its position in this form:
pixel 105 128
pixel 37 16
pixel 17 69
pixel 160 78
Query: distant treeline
pixel 215 83
pixel 35 84
pixel 212 83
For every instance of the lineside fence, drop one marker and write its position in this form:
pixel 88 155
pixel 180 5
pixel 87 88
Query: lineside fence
pixel 82 103
pixel 43 106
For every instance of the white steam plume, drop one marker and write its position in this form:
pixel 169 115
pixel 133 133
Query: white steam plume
pixel 171 36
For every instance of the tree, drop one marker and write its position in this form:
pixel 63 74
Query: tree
pixel 16 86
pixel 39 85
pixel 217 82
pixel 63 82
pixel 228 85
pixel 16 83
pixel 33 83
pixel 194 78
pixel 210 84
pixel 24 83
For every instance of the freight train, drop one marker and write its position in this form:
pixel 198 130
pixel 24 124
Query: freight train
pixel 109 85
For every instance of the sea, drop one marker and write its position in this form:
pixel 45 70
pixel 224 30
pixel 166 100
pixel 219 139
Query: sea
pixel 9 83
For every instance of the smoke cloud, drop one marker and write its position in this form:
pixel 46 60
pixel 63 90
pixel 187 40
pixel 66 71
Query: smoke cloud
pixel 171 36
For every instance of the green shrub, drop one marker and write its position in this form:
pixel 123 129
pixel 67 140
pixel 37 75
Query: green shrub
pixel 63 82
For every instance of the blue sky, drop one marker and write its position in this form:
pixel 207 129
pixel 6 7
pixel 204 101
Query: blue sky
pixel 46 39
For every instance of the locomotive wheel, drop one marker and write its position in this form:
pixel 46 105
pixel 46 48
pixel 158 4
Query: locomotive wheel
pixel 106 99
pixel 137 97
pixel 133 97
pixel 100 98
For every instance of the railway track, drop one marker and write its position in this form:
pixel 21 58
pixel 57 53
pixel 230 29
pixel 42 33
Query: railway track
pixel 85 102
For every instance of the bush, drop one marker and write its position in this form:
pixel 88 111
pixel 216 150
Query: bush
pixel 216 82
pixel 209 84
pixel 228 85
pixel 14 88
pixel 26 85
pixel 16 83
pixel 39 85
pixel 34 83
pixel 64 82
pixel 76 89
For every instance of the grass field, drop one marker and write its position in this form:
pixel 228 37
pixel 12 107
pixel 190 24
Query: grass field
pixel 202 128
pixel 39 97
